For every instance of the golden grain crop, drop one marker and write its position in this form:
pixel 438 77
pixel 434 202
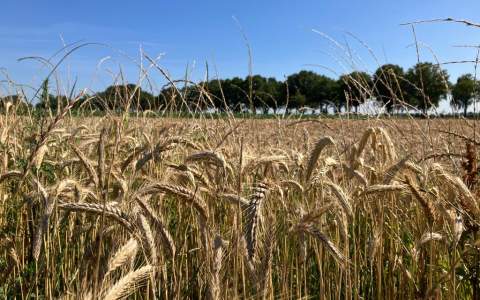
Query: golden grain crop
pixel 111 207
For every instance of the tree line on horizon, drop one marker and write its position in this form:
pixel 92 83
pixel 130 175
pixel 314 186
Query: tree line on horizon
pixel 421 87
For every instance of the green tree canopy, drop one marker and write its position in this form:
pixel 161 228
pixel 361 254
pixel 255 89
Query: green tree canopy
pixel 422 86
pixel 389 85
pixel 463 92
pixel 265 92
pixel 235 91
pixel 354 89
pixel 427 83
pixel 15 103
pixel 309 88
pixel 324 93
pixel 52 102
pixel 127 96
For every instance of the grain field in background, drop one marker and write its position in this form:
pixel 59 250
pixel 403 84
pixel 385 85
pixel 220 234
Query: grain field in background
pixel 156 208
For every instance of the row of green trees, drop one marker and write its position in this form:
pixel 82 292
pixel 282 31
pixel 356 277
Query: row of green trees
pixel 420 87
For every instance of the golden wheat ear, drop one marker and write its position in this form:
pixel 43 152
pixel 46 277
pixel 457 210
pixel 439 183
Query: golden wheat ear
pixel 393 170
pixel 125 255
pixel 158 224
pixel 428 207
pixel 87 164
pixel 253 214
pixel 342 198
pixel 185 195
pixel 329 245
pixel 42 223
pixel 317 150
pixel 128 284
pixel 109 211
pixel 215 285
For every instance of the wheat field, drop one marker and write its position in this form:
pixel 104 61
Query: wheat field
pixel 156 208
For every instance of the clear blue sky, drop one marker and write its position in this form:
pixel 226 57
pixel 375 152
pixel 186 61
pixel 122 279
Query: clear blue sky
pixel 193 32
